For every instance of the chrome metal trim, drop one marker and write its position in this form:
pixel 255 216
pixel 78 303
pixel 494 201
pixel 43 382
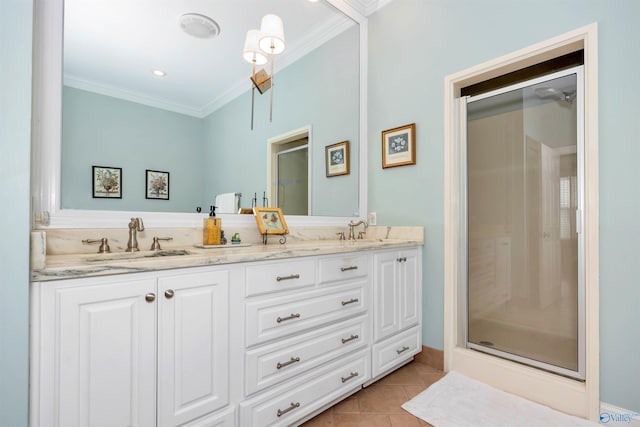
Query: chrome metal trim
pixel 287 363
pixel 403 349
pixel 351 301
pixel 291 276
pixel 291 316
pixel 351 338
pixel 352 375
pixel 293 406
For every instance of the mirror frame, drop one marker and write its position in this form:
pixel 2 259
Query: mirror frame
pixel 47 131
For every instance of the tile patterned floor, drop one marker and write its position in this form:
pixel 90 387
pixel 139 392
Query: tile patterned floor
pixel 379 404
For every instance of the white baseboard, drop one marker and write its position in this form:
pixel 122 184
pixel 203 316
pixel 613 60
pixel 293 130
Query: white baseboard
pixel 615 416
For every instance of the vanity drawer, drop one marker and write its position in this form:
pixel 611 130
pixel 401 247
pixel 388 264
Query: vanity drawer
pixel 279 276
pixel 291 402
pixel 278 317
pixel 395 350
pixel 270 364
pixel 344 267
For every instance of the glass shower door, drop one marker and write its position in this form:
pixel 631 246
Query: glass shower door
pixel 525 287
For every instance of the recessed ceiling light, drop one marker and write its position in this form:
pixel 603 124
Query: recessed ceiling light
pixel 159 73
pixel 200 26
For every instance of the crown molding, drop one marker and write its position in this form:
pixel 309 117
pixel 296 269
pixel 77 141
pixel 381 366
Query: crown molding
pixel 311 41
pixel 367 7
pixel 89 86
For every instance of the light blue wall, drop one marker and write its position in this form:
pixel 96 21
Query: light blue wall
pixel 105 131
pixel 15 133
pixel 320 90
pixel 414 44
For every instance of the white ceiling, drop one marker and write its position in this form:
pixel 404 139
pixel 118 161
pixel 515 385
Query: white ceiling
pixel 112 46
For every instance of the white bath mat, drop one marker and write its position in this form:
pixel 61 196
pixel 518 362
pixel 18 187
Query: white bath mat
pixel 459 401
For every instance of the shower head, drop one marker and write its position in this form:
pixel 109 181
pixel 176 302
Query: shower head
pixel 557 94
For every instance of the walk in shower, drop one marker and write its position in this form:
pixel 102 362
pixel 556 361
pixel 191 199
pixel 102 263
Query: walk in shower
pixel 525 254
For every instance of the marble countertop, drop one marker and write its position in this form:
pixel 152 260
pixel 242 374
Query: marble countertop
pixel 70 266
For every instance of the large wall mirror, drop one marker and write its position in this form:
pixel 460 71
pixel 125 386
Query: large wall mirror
pixel 98 103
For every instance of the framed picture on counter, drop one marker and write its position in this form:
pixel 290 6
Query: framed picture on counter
pixel 270 221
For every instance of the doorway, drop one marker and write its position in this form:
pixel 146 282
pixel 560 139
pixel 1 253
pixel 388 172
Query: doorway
pixel 289 171
pixel 292 185
pixel 576 397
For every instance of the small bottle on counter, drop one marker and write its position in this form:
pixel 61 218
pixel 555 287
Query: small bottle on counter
pixel 211 228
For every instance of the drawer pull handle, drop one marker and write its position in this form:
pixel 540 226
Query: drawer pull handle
pixel 289 277
pixel 289 362
pixel 351 338
pixel 351 301
pixel 353 267
pixel 402 259
pixel 402 350
pixel 353 375
pixel 293 406
pixel 291 316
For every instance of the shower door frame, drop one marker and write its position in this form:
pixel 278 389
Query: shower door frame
pixel 578 71
pixel 572 396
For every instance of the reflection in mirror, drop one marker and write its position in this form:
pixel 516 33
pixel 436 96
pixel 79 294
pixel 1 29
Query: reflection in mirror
pixel 195 122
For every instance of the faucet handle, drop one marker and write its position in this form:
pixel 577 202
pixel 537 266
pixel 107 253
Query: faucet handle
pixel 155 246
pixel 341 235
pixel 104 244
pixel 361 234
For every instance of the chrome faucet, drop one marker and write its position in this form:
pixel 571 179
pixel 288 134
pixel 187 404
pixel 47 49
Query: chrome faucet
pixel 135 225
pixel 353 225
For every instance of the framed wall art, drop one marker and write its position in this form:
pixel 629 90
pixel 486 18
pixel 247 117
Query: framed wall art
pixel 399 146
pixel 270 221
pixel 157 186
pixel 107 182
pixel 337 159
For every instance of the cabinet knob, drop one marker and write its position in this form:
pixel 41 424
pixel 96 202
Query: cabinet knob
pixel 168 294
pixel 150 297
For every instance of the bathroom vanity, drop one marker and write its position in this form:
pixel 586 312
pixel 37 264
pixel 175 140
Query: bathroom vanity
pixel 254 336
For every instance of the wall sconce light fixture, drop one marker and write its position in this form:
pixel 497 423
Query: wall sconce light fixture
pixel 259 47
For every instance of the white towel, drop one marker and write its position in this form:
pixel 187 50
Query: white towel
pixel 226 203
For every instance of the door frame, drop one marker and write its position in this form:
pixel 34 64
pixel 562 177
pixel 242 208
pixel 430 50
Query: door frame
pixel 580 398
pixel 276 195
pixel 273 145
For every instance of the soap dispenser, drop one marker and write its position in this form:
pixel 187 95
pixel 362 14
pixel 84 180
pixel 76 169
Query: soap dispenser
pixel 211 228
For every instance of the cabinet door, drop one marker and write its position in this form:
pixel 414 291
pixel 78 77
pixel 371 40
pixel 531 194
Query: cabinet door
pixel 386 295
pixel 409 282
pixel 193 344
pixel 105 353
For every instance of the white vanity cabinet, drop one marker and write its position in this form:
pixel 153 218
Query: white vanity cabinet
pixel 397 302
pixel 306 341
pixel 131 350
pixel 261 343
